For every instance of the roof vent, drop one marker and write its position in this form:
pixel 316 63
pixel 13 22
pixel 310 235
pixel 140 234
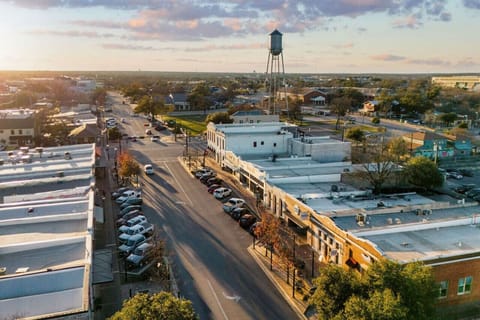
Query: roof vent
pixel 404 244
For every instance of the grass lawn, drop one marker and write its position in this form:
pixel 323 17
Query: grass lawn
pixel 195 124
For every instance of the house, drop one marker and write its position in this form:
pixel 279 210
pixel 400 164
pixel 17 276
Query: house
pixel 86 133
pixel 436 146
pixel 18 127
pixel 308 96
pixel 179 101
pixel 369 107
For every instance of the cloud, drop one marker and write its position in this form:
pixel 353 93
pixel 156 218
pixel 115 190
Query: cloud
pixel 206 19
pixel 348 45
pixel 409 22
pixel 121 46
pixel 387 57
pixel 472 4
pixel 429 62
pixel 228 47
pixel 72 33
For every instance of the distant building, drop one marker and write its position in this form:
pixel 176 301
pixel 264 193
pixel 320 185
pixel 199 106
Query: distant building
pixel 463 82
pixel 253 116
pixel 18 127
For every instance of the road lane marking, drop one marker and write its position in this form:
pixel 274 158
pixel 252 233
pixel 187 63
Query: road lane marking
pixel 178 183
pixel 235 297
pixel 218 301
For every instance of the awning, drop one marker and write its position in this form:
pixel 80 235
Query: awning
pixel 352 263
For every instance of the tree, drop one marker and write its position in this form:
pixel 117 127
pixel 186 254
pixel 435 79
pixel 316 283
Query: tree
pixel 114 134
pixel 355 134
pixel 127 166
pixel 387 290
pixel 378 163
pixel 340 106
pixel 198 97
pixel 397 148
pixel 219 117
pixel 334 287
pixel 423 172
pixel 268 232
pixel 152 106
pixel 159 306
pixel 448 118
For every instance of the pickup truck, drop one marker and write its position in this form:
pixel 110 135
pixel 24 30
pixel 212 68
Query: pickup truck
pixel 141 255
pixel 132 242
pixel 144 228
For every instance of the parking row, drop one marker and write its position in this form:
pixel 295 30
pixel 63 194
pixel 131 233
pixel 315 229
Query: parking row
pixel 235 207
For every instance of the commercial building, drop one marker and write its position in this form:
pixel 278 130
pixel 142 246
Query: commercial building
pixel 18 127
pixel 303 183
pixel 462 82
pixel 46 231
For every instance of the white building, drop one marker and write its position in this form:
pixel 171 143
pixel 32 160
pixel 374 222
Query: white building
pixel 46 232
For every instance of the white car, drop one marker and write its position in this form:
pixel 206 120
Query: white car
pixel 222 192
pixel 155 138
pixel 148 169
pixel 233 203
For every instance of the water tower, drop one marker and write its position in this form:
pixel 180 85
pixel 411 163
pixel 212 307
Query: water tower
pixel 275 72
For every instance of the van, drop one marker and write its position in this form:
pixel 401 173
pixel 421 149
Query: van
pixel 148 169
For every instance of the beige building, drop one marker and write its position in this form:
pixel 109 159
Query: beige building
pixel 18 127
pixel 462 82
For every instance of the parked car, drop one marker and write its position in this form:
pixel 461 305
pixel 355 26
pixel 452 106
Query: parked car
pixel 148 132
pixel 128 216
pixel 473 192
pixel 128 195
pixel 253 227
pixel 132 242
pixel 119 192
pixel 155 138
pixel 148 169
pixel 246 221
pixel 200 172
pixel 160 127
pixel 213 180
pixel 131 201
pixel 232 204
pixel 464 188
pixel 222 192
pixel 204 178
pixel 213 187
pixel 141 255
pixel 466 172
pixel 454 175
pixel 128 209
pixel 237 213
pixel 144 228
pixel 132 222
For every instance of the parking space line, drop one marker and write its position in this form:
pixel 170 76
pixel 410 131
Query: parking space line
pixel 179 184
pixel 218 301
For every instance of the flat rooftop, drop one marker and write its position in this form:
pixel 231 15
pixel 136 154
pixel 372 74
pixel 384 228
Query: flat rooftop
pixel 428 244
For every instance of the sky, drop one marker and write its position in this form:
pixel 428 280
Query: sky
pixel 319 36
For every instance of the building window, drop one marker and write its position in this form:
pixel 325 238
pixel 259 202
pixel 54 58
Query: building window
pixel 1 131
pixel 464 285
pixel 442 290
pixel 251 121
pixel 12 131
pixel 254 144
pixel 261 143
pixel 274 144
pixel 241 121
pixel 20 131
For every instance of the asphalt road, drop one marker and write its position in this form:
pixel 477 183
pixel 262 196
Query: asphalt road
pixel 209 249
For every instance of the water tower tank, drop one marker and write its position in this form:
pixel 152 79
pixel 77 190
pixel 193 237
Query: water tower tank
pixel 275 42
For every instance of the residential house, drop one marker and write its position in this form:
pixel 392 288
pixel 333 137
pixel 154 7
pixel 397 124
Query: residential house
pixel 86 133
pixel 179 101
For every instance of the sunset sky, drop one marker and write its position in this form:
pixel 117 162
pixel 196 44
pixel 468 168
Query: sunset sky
pixel 319 36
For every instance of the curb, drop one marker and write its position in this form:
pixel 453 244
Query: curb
pixel 285 295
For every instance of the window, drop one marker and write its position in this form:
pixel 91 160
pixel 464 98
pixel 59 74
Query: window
pixel 274 144
pixel 464 285
pixel 442 290
pixel 241 121
pixel 254 144
pixel 20 131
pixel 261 143
pixel 12 131
pixel 251 121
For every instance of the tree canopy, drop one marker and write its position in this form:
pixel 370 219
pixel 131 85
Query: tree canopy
pixel 152 106
pixel 218 117
pixel 387 290
pixel 159 306
pixel 423 172
pixel 127 166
